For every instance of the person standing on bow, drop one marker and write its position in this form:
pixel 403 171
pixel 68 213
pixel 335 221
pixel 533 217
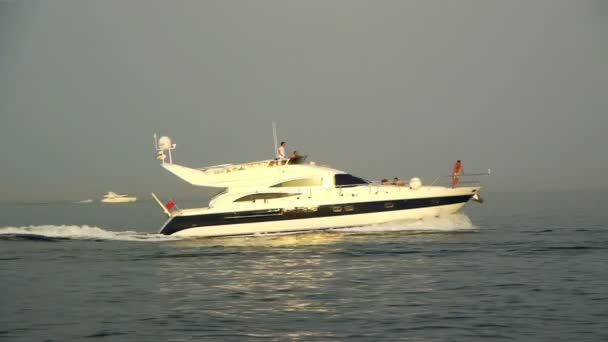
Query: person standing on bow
pixel 456 171
pixel 281 151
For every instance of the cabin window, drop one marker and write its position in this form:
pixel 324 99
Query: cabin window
pixel 336 209
pixel 346 180
pixel 299 183
pixel 264 196
pixel 388 205
pixel 349 208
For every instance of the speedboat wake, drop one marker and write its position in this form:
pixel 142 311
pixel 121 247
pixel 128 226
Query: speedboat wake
pixel 74 232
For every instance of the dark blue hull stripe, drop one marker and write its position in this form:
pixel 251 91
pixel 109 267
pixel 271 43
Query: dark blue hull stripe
pixel 179 223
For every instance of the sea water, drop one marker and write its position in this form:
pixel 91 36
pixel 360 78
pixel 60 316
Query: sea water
pixel 521 266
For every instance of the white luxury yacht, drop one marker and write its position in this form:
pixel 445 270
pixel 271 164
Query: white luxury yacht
pixel 288 196
pixel 112 197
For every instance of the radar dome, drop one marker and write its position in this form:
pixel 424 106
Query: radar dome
pixel 415 183
pixel 164 143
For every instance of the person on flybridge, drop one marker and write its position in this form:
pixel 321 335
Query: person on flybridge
pixel 281 151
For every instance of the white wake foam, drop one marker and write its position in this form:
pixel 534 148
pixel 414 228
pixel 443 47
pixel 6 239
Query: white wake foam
pixel 456 222
pixel 83 233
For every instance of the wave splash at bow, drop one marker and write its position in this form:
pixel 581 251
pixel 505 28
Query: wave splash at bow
pixel 456 222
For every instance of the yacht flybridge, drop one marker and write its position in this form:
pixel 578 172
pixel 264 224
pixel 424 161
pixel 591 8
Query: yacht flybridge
pixel 289 196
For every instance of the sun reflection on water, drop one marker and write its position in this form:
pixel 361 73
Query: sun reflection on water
pixel 302 239
pixel 288 277
pixel 283 278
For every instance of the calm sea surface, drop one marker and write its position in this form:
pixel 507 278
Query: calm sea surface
pixel 526 267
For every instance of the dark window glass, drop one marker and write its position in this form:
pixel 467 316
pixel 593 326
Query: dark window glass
pixel 263 196
pixel 346 180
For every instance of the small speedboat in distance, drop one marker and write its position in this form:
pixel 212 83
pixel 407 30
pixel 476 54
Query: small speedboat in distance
pixel 86 201
pixel 277 196
pixel 112 197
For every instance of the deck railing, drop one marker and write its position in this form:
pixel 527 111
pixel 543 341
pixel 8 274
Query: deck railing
pixel 238 167
pixel 222 168
pixel 469 179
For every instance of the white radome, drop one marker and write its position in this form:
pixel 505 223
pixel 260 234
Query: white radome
pixel 164 143
pixel 415 183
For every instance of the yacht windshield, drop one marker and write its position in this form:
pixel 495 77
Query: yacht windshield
pixel 346 180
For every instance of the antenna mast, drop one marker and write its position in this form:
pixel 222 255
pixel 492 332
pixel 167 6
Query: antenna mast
pixel 274 135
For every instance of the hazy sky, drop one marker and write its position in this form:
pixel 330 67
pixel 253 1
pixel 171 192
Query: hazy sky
pixel 378 88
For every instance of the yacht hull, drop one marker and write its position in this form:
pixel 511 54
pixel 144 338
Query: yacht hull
pixel 303 219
